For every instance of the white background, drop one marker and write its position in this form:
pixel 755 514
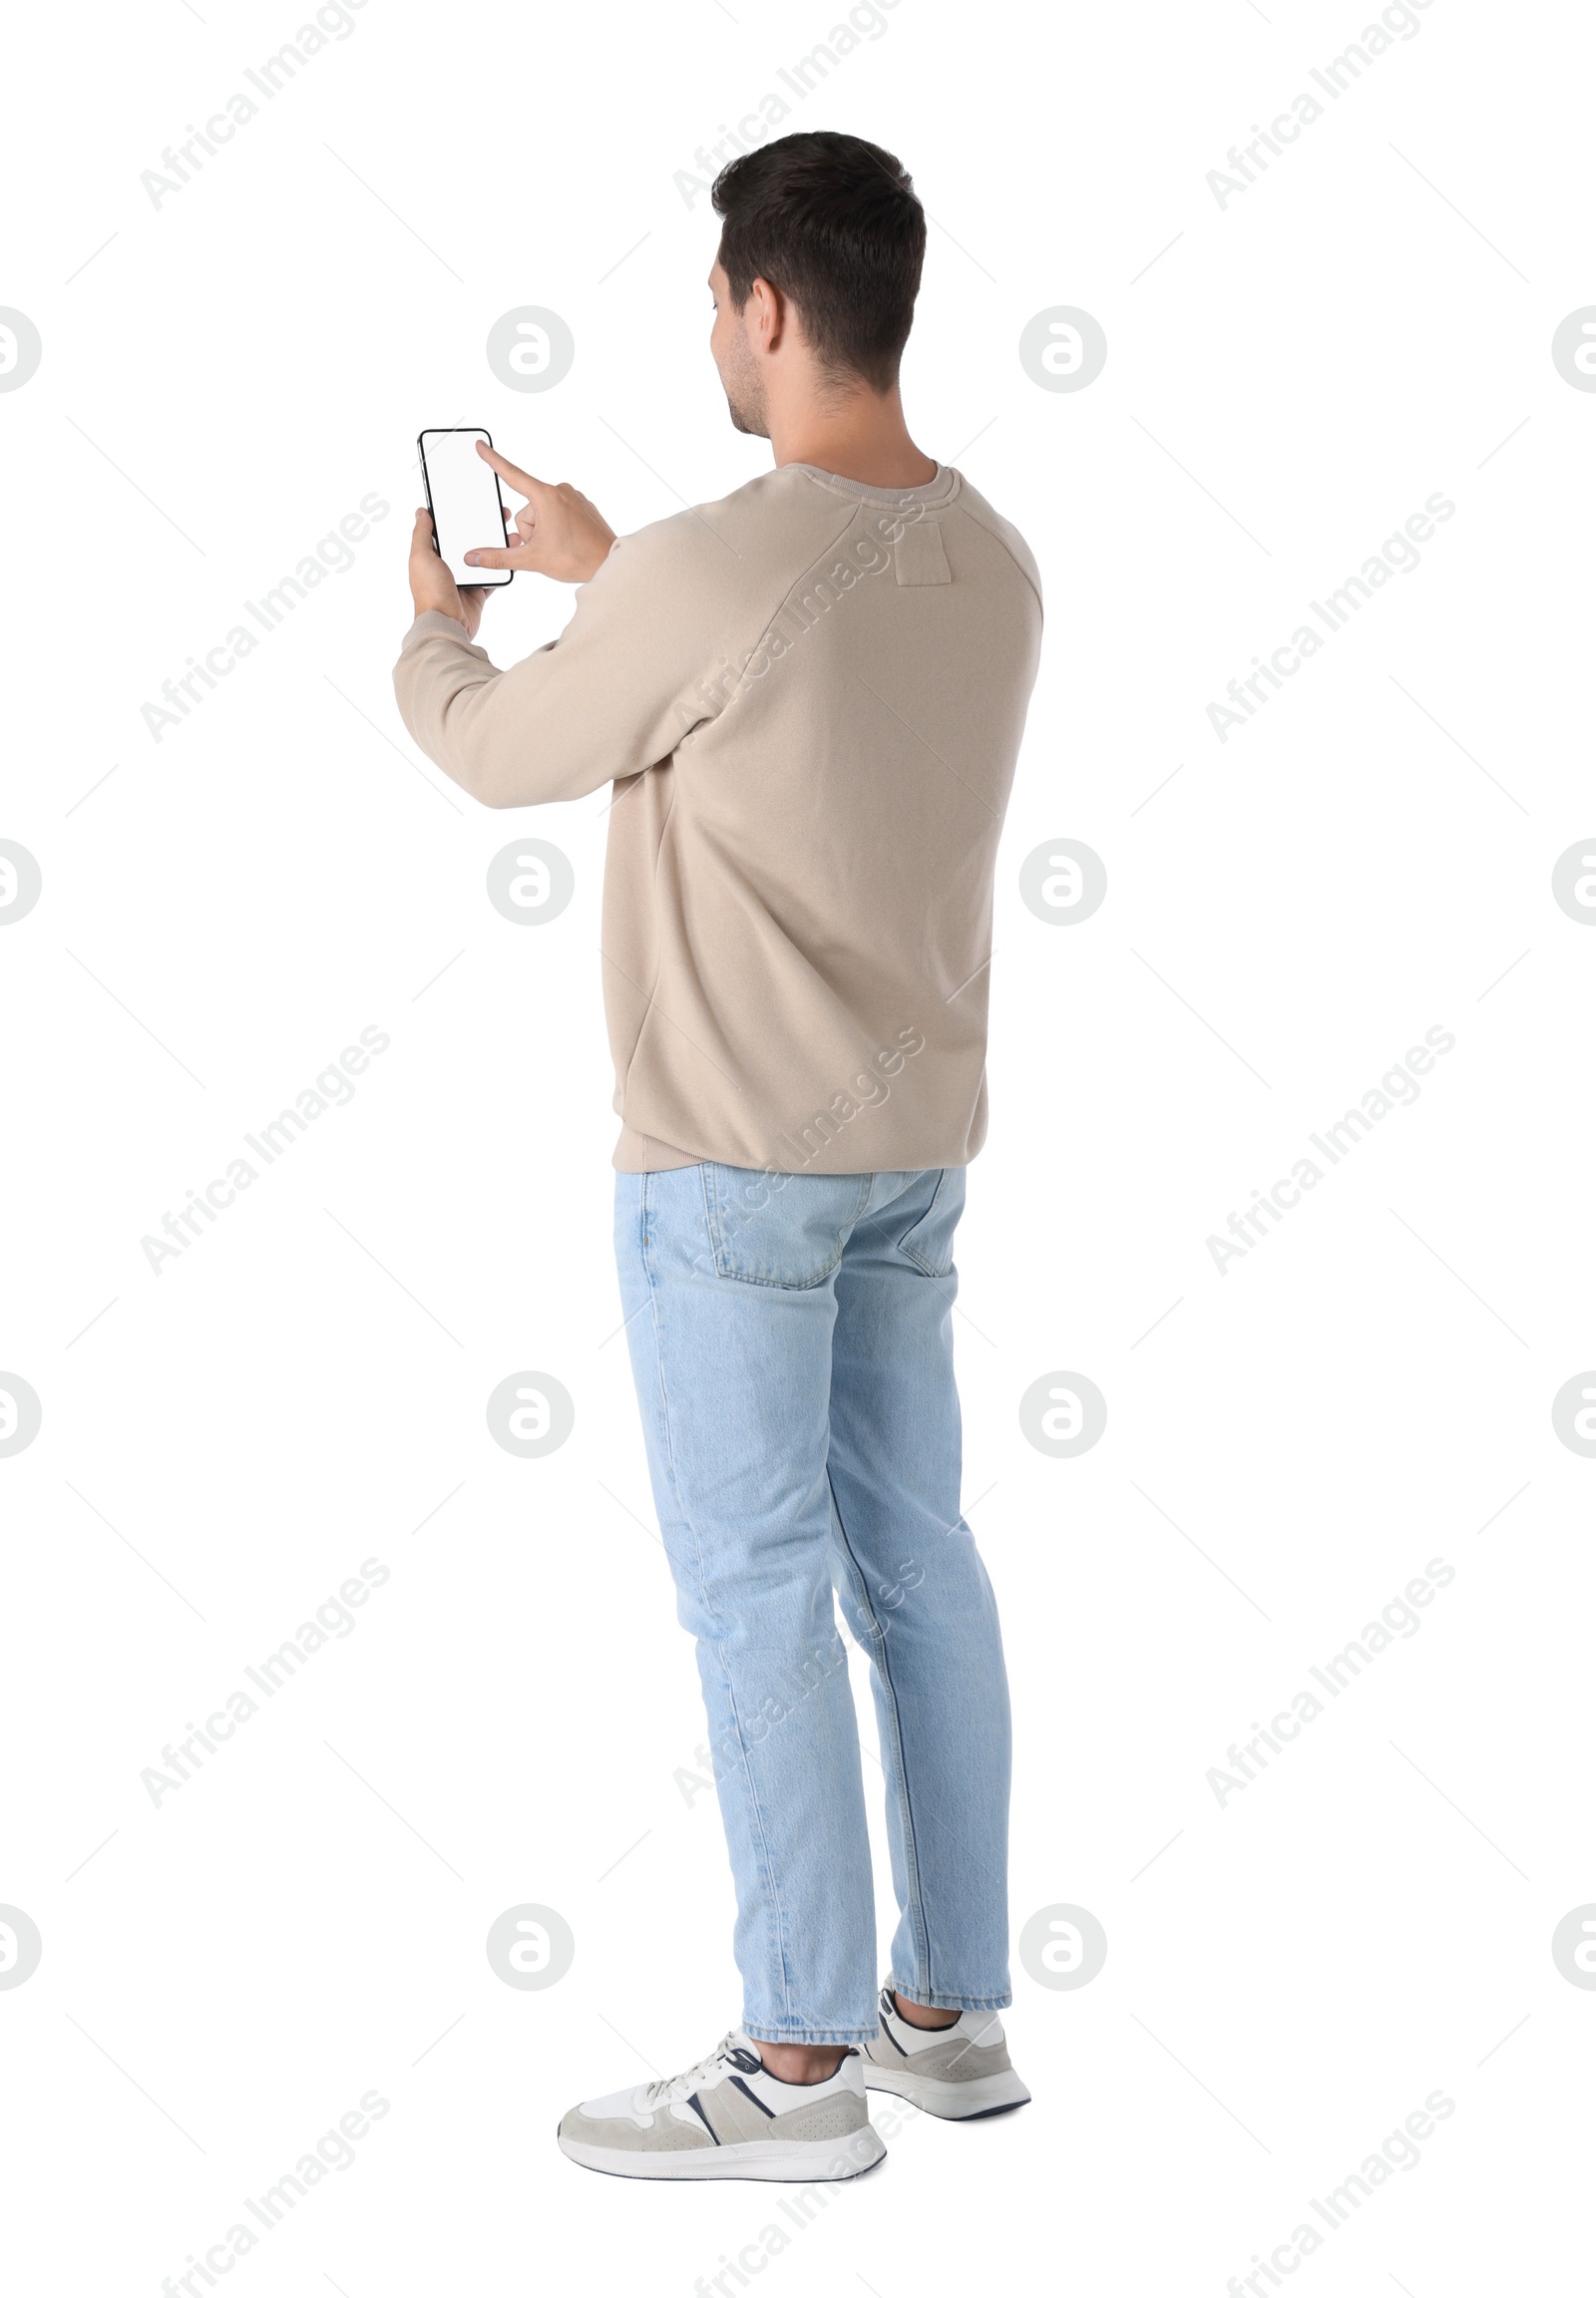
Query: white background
pixel 226 375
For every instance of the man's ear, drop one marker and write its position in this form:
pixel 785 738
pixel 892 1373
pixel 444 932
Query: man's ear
pixel 769 313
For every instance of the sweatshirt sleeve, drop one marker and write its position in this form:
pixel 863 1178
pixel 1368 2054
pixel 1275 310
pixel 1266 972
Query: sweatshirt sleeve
pixel 612 694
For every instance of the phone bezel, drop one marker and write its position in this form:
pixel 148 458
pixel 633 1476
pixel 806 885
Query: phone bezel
pixel 494 577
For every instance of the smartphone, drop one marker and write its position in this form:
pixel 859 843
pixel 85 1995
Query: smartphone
pixel 468 511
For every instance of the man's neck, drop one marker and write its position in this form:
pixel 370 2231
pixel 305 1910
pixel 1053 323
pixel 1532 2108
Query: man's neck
pixel 861 437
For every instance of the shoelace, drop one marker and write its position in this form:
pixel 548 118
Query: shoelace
pixel 679 2086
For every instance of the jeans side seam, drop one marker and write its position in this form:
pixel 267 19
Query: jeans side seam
pixel 913 1909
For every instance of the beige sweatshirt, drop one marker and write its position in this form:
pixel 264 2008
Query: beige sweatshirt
pixel 810 697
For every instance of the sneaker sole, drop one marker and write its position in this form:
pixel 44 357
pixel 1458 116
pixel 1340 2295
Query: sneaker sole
pixel 954 2102
pixel 791 2160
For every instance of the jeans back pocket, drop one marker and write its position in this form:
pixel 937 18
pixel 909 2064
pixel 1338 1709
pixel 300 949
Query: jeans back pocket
pixel 929 1241
pixel 785 1229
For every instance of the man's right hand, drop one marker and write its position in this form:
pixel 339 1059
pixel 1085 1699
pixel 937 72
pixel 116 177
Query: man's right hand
pixel 559 533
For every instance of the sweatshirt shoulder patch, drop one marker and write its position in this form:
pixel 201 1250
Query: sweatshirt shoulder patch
pixel 918 554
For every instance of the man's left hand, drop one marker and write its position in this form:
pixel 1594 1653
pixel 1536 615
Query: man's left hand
pixel 433 588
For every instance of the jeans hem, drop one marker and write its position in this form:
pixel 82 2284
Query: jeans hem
pixel 812 2036
pixel 939 1999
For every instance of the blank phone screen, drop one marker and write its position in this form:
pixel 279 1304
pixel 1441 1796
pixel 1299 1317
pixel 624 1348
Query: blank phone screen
pixel 467 508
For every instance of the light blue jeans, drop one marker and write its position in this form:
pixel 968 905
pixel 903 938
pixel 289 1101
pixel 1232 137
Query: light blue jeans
pixel 791 1340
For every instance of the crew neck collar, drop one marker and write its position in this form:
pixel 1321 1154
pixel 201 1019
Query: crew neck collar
pixel 933 490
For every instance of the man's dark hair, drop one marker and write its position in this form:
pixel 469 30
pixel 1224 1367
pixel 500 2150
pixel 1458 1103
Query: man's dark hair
pixel 832 222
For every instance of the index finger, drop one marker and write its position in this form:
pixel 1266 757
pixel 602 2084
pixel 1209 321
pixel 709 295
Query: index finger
pixel 522 481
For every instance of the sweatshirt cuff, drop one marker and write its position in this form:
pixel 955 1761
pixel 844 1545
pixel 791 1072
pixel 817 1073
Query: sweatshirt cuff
pixel 435 626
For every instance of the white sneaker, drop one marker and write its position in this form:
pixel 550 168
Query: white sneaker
pixel 727 2117
pixel 957 2071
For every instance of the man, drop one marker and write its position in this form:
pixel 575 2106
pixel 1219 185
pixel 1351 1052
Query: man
pixel 808 696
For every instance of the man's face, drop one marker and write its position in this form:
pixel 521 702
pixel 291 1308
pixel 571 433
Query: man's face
pixel 734 359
